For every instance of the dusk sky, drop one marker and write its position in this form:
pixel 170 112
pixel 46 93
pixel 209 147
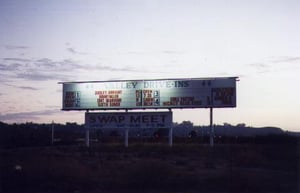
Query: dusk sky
pixel 43 42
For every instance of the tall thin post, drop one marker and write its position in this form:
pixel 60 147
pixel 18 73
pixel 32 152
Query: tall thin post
pixel 170 136
pixel 52 133
pixel 126 133
pixel 87 131
pixel 87 137
pixel 171 133
pixel 211 128
pixel 126 137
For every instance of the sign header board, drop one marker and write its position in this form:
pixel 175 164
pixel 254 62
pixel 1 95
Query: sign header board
pixel 150 94
pixel 129 120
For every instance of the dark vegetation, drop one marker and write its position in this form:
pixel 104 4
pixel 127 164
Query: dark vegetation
pixel 32 134
pixel 29 163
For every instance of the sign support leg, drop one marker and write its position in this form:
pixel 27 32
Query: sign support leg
pixel 171 132
pixel 52 133
pixel 87 132
pixel 170 136
pixel 211 141
pixel 126 133
pixel 126 137
pixel 87 137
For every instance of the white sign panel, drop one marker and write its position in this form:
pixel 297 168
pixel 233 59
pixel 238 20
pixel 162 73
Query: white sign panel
pixel 129 120
pixel 153 94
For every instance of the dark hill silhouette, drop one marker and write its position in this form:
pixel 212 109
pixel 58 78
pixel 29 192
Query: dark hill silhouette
pixel 240 130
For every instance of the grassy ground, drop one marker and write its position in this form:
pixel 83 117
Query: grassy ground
pixel 152 168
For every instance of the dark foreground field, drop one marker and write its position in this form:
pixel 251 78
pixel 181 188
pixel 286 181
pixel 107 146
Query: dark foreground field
pixel 267 168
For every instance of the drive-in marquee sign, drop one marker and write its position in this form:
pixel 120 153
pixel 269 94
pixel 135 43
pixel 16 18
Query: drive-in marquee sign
pixel 150 94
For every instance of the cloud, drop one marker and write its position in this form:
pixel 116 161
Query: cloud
pixel 40 76
pixel 14 47
pixel 71 65
pixel 286 59
pixel 44 69
pixel 37 69
pixel 109 68
pixel 53 107
pixel 73 51
pixel 10 67
pixel 27 115
pixel 172 52
pixel 136 53
pixel 163 52
pixel 17 59
pixel 23 87
pixel 259 65
pixel 276 64
pixel 27 88
pixel 45 62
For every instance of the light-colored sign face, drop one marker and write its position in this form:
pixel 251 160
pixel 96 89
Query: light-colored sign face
pixel 129 120
pixel 147 94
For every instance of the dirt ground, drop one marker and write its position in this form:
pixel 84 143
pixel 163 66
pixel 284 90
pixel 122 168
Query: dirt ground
pixel 190 168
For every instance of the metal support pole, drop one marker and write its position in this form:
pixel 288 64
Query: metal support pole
pixel 126 133
pixel 211 128
pixel 87 137
pixel 126 136
pixel 171 133
pixel 52 133
pixel 87 131
pixel 171 137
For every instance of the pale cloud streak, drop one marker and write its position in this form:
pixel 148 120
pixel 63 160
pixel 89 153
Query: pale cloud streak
pixel 273 64
pixel 38 76
pixel 10 67
pixel 286 59
pixel 175 52
pixel 28 88
pixel 44 69
pixel 17 59
pixel 23 87
pixel 15 47
pixel 23 116
pixel 259 66
pixel 74 51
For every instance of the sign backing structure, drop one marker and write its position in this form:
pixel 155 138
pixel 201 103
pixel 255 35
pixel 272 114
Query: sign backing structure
pixel 122 120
